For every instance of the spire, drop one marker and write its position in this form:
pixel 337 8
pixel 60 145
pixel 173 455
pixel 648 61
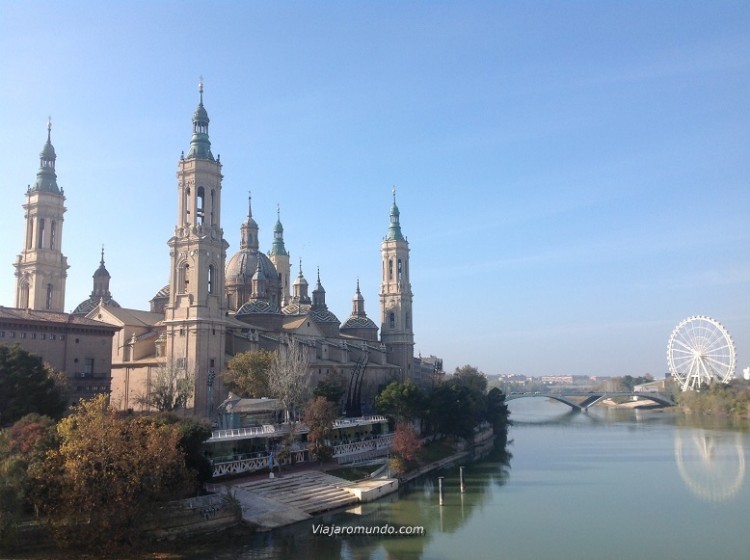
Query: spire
pixel 249 228
pixel 319 295
pixel 101 280
pixel 394 229
pixel 200 146
pixel 358 303
pixel 300 287
pixel 46 178
pixel 277 248
pixel 258 282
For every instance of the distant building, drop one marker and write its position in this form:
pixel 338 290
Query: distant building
pixel 557 379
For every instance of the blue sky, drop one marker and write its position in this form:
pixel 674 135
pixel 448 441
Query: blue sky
pixel 573 177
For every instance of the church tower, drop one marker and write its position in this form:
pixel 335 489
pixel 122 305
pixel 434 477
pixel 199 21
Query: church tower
pixel 280 258
pixel 195 315
pixel 396 332
pixel 41 268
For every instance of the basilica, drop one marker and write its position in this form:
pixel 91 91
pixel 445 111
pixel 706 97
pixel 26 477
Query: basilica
pixel 219 303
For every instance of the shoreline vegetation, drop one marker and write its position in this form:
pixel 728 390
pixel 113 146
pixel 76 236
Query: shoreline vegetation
pixel 719 400
pixel 730 400
pixel 85 484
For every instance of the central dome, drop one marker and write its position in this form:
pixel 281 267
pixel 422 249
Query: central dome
pixel 239 272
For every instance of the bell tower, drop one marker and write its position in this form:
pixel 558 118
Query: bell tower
pixel 396 331
pixel 195 315
pixel 41 268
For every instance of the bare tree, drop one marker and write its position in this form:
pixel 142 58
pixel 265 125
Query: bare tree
pixel 170 389
pixel 287 376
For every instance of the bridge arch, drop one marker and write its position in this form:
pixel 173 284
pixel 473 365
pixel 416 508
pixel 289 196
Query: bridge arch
pixel 591 398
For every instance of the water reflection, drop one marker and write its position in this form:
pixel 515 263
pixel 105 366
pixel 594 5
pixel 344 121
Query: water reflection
pixel 712 465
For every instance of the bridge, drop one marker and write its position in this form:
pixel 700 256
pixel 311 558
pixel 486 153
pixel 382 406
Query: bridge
pixel 591 398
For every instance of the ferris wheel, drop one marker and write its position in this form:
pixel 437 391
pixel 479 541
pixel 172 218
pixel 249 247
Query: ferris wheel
pixel 700 351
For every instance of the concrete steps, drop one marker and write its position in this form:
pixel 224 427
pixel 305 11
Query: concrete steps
pixel 309 492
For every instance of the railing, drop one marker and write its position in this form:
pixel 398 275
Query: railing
pixel 272 430
pixel 258 461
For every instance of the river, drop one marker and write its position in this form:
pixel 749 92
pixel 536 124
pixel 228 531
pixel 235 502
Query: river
pixel 602 484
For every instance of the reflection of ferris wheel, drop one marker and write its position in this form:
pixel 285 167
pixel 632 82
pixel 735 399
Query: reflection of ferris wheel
pixel 712 466
pixel 700 351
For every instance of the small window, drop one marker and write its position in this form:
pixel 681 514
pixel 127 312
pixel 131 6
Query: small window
pixel 392 320
pixel 210 279
pixel 49 296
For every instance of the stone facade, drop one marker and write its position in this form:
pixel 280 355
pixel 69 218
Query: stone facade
pixel 76 346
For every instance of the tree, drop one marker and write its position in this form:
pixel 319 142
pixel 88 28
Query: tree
pixel 27 386
pixel 193 432
pixel 471 377
pixel 319 417
pixel 247 374
pixel 332 388
pixel 498 413
pixel 170 389
pixel 456 409
pixel 287 376
pixel 401 401
pixel 106 474
pixel 24 443
pixel 406 447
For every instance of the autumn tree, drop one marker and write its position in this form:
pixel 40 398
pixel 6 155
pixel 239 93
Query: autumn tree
pixel 27 386
pixel 319 417
pixel 247 374
pixel 193 432
pixel 405 449
pixel 170 389
pixel 21 445
pixel 287 376
pixel 106 473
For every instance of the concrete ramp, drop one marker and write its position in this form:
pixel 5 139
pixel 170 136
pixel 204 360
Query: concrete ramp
pixel 271 503
pixel 265 513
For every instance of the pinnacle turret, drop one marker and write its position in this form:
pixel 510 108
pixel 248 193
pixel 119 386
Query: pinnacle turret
pixel 200 145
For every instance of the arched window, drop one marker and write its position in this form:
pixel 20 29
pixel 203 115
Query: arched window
pixel 400 271
pixel 49 296
pixel 52 234
pixel 183 279
pixel 23 301
pixel 213 201
pixel 210 279
pixel 390 269
pixel 200 202
pixel 187 205
pixel 30 234
pixel 40 234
